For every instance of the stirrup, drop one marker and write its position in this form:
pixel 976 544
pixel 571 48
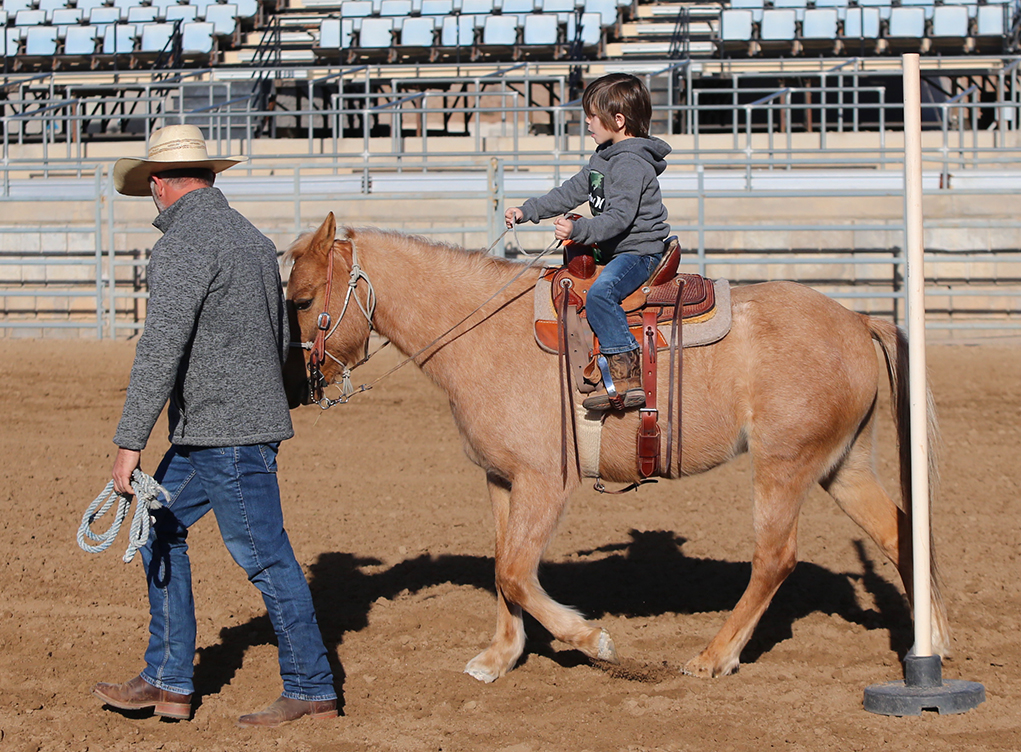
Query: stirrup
pixel 616 400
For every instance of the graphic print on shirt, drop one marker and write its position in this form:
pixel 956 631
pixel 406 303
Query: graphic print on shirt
pixel 596 199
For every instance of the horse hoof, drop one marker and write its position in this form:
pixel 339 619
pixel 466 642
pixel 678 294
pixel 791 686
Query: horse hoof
pixel 607 652
pixel 697 667
pixel 474 670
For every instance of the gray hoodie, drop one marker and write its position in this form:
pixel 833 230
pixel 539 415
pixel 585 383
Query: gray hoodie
pixel 621 184
pixel 215 332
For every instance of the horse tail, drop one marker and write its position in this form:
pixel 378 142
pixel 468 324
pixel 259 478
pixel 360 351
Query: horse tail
pixel 894 344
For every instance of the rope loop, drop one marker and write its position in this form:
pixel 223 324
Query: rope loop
pixel 147 493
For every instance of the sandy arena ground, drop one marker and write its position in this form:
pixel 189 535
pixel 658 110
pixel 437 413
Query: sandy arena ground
pixel 392 524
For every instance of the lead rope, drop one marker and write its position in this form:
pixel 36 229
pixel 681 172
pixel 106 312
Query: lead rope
pixel 147 493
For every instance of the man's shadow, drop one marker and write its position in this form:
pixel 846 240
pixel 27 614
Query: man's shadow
pixel 646 576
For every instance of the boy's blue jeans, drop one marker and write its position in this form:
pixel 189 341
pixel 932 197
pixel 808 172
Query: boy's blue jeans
pixel 240 485
pixel 620 277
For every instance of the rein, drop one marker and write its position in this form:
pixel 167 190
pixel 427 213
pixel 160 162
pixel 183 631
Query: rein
pixel 319 353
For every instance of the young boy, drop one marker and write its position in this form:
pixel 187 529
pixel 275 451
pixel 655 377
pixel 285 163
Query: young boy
pixel 628 224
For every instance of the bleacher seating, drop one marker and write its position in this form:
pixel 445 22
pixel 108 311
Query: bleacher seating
pixel 51 33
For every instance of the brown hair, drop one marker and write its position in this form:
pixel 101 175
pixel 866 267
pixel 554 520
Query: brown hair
pixel 623 93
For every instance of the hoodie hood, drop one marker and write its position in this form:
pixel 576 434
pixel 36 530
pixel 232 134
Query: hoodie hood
pixel 653 150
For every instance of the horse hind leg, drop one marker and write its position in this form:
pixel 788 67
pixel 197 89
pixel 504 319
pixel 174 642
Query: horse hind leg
pixel 779 489
pixel 856 489
pixel 526 521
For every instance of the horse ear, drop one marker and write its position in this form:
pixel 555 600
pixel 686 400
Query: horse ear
pixel 322 241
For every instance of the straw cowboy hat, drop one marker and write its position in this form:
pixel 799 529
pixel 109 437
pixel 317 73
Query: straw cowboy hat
pixel 172 148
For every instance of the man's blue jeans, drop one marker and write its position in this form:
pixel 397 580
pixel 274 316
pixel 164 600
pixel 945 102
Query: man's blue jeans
pixel 240 485
pixel 620 277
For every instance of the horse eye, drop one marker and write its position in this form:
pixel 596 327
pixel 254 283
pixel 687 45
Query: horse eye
pixel 302 305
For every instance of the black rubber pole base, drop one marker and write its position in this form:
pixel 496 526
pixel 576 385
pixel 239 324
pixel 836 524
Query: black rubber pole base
pixel 923 688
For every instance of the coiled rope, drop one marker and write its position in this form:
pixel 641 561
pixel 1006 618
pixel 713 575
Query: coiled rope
pixel 147 493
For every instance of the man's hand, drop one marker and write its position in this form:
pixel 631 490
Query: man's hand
pixel 125 463
pixel 513 216
pixel 562 228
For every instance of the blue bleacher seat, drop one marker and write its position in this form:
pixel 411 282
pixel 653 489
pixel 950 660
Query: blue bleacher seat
pixel 883 6
pixel 929 6
pixel 247 9
pixel 160 4
pixel 437 7
pixel 104 15
pixel 66 17
pixel 197 39
pixel 755 6
pixel 906 30
pixel 971 5
pixel 41 41
pixel 223 16
pixel 560 6
pixel 395 8
pixel 376 33
pixel 736 25
pixel 477 7
pixel 777 30
pixel 457 31
pixel 140 14
pixel 48 6
pixel 3 18
pixel 356 8
pixel 335 34
pixel 418 32
pixel 798 6
pixel 950 28
pixel 861 31
pixel 500 31
pixel 992 23
pixel 183 13
pixel 606 8
pixel 125 5
pixel 154 38
pixel 11 41
pixel 80 41
pixel 13 6
pixel 30 18
pixel 201 6
pixel 541 31
pixel 819 30
pixel 520 6
pixel 591 29
pixel 119 39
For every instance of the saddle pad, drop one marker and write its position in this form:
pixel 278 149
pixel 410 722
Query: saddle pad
pixel 701 330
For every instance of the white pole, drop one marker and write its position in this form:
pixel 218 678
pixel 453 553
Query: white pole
pixel 916 354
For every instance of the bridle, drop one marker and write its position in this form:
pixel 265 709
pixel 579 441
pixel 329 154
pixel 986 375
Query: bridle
pixel 317 382
pixel 325 327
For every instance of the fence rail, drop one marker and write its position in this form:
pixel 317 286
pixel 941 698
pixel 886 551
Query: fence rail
pixel 972 288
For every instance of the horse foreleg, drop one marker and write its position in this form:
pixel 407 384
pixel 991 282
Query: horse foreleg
pixel 509 640
pixel 536 504
pixel 777 505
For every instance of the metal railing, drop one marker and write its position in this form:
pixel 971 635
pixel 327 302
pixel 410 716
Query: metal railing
pixel 869 278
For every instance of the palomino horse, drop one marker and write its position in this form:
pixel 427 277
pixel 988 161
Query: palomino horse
pixel 795 383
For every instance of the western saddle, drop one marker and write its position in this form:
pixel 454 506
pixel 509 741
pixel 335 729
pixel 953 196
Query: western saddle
pixel 666 298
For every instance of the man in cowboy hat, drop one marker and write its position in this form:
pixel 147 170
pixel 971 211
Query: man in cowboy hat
pixel 215 338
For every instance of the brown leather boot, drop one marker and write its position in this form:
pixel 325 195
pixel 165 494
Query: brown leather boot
pixel 626 373
pixel 139 694
pixel 284 710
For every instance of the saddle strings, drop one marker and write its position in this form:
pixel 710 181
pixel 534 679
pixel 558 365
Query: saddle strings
pixel 348 391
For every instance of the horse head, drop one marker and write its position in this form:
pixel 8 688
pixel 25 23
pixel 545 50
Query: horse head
pixel 333 319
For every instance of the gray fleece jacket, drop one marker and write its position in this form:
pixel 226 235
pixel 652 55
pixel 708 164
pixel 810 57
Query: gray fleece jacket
pixel 215 332
pixel 621 184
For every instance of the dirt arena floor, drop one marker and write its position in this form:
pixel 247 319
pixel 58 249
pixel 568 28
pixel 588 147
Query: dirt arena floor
pixel 392 525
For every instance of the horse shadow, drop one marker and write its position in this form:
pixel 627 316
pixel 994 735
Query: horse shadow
pixel 649 575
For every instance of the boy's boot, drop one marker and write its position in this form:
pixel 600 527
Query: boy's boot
pixel 624 372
